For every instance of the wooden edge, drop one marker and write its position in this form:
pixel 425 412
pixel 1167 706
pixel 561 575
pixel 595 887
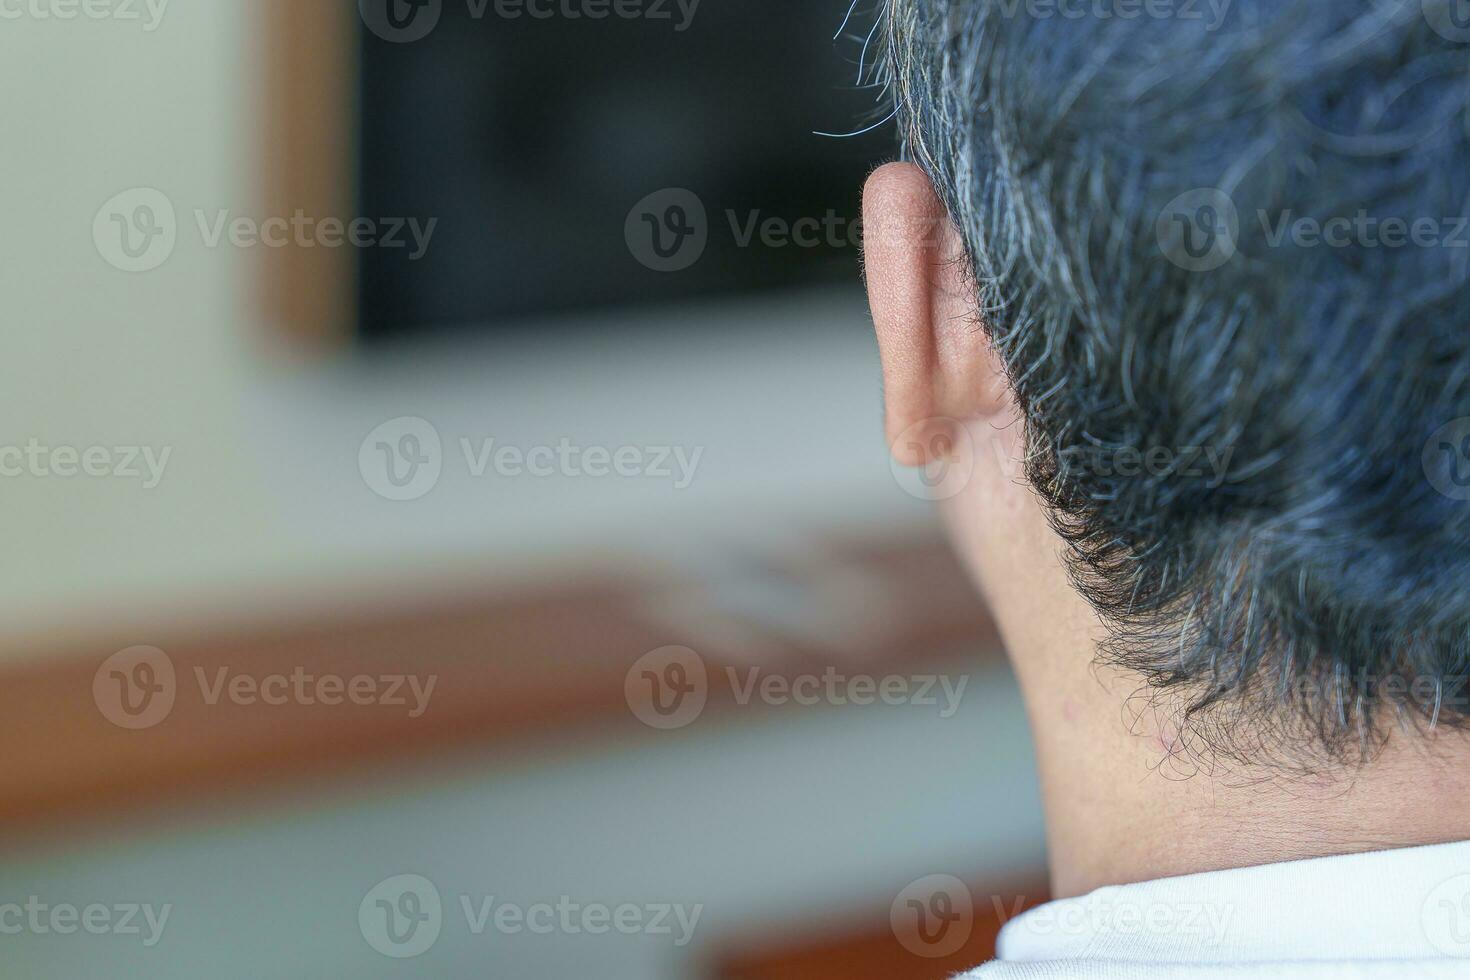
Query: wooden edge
pixel 504 669
pixel 308 107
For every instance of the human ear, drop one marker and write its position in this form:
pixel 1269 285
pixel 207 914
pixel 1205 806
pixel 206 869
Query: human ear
pixel 938 367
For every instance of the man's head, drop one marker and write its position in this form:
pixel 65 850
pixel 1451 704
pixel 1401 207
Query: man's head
pixel 1206 278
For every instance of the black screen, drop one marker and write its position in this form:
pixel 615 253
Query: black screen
pixel 531 139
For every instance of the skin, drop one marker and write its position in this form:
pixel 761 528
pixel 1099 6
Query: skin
pixel 1120 805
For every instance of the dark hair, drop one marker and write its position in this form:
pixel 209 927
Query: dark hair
pixel 1137 195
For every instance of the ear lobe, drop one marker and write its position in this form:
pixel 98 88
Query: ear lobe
pixel 937 363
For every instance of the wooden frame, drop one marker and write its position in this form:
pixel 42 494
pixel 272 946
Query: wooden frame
pixel 309 130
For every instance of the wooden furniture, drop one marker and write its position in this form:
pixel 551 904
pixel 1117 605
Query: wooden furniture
pixel 508 667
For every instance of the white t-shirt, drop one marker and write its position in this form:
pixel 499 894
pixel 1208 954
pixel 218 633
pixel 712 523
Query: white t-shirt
pixel 1400 914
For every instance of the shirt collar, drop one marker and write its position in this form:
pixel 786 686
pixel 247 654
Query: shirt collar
pixel 1411 903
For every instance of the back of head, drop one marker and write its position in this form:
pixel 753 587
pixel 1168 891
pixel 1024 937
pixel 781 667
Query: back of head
pixel 1224 259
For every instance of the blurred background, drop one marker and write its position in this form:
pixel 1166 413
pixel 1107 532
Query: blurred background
pixel 449 530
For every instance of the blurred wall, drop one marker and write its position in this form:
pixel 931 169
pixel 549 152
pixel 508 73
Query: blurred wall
pixel 262 503
pixel 95 356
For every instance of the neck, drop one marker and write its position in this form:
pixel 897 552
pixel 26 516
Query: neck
pixel 1123 801
pixel 1124 804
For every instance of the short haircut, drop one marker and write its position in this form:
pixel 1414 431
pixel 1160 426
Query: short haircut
pixel 1186 236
